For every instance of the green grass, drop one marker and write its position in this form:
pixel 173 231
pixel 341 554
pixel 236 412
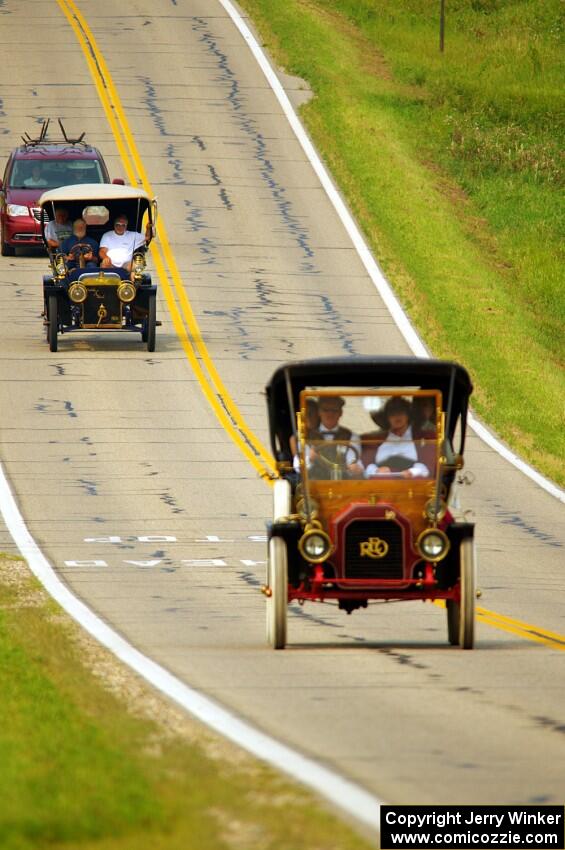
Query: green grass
pixel 80 770
pixel 452 165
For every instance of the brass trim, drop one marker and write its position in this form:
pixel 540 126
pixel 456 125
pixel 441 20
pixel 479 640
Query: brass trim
pixel 78 293
pixel 91 279
pixel 321 533
pixel 430 504
pixel 114 327
pixel 374 548
pixel 126 286
pixel 437 558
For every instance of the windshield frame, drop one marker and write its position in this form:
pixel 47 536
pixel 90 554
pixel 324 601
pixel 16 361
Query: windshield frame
pixel 362 486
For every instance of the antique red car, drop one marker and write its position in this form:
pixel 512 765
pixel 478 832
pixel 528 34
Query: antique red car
pixel 365 508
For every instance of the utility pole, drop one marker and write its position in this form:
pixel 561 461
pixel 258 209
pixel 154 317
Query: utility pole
pixel 441 25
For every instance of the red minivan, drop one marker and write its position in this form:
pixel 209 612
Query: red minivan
pixel 34 167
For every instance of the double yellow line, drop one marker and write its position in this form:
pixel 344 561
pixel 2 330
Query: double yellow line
pixel 183 318
pixel 182 315
pixel 521 629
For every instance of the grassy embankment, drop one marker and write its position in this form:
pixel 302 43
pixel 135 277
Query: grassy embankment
pixel 451 163
pixel 99 762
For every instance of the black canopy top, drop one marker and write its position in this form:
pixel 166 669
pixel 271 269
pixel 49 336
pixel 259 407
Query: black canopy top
pixel 290 379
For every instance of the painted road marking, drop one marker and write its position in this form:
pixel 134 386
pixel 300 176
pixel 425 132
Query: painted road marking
pixel 522 629
pixel 211 385
pixel 183 320
pixel 373 269
pixel 164 538
pixel 345 794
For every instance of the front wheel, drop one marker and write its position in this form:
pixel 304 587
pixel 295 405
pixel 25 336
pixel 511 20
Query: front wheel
pixel 7 250
pixel 453 616
pixel 148 335
pixel 277 601
pixel 461 615
pixel 468 570
pixel 52 319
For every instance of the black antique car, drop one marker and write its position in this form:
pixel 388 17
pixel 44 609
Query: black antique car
pixel 365 505
pixel 80 296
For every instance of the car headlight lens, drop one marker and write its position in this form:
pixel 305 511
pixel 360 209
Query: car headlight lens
pixel 315 545
pixel 77 292
pixel 17 210
pixel 126 291
pixel 433 544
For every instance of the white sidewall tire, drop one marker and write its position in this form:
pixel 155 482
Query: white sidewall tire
pixel 453 611
pixel 468 574
pixel 281 499
pixel 277 602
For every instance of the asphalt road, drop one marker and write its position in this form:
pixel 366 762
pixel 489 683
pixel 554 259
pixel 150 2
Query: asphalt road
pixel 151 513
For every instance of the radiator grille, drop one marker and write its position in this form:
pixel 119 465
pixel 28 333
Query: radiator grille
pixel 36 212
pixel 104 297
pixel 389 566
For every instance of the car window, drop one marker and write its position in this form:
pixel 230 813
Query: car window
pixel 55 172
pixel 358 436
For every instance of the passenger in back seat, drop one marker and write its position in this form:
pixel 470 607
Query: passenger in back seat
pixel 424 415
pixel 397 453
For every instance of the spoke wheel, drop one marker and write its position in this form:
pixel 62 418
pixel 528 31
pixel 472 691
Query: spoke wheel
pixel 277 580
pixel 461 615
pixel 453 609
pixel 468 572
pixel 149 335
pixel 52 318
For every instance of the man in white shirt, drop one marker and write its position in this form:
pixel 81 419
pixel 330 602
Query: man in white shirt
pixel 397 453
pixel 118 245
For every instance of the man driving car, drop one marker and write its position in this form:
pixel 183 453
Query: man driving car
pixel 79 249
pixel 347 449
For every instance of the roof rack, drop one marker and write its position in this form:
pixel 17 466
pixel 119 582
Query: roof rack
pixel 42 138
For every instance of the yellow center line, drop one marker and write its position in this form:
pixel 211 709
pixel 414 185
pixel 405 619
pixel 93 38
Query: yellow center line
pixel 212 386
pixel 522 629
pixel 184 320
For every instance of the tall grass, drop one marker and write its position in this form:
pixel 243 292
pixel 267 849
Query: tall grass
pixel 86 766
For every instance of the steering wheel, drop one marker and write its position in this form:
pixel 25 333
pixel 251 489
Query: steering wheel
pixel 80 249
pixel 338 464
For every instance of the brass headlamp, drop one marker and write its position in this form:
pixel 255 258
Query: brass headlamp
pixel 315 545
pixel 78 292
pixel 126 291
pixel 138 265
pixel 433 545
pixel 60 266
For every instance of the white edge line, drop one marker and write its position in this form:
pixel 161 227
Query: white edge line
pixel 345 794
pixel 353 799
pixel 383 286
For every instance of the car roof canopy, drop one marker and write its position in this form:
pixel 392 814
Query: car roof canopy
pixel 91 192
pixel 118 199
pixel 284 388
